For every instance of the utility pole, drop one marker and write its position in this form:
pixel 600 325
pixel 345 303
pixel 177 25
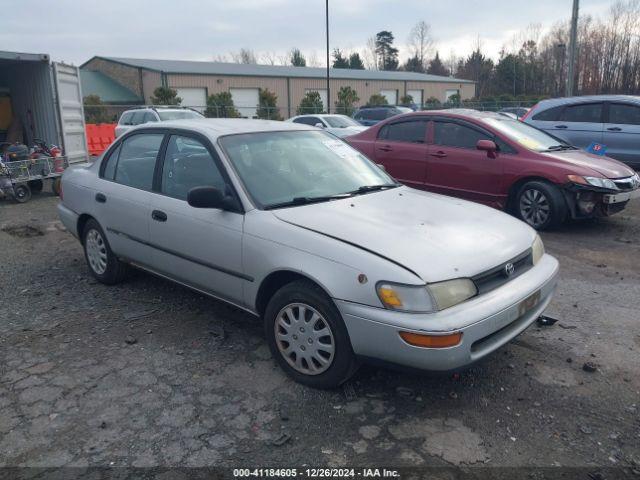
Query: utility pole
pixel 328 89
pixel 573 40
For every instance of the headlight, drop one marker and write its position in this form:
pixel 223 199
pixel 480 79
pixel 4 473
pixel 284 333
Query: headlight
pixel 407 298
pixel 537 249
pixel 429 298
pixel 594 181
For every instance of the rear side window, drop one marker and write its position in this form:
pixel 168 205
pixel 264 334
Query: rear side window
pixel 583 113
pixel 149 117
pixel 138 117
pixel 548 115
pixel 456 135
pixel 307 120
pixel 137 160
pixel 409 132
pixel 624 113
pixel 125 119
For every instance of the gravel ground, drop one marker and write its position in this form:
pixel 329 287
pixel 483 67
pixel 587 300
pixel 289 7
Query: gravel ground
pixel 148 373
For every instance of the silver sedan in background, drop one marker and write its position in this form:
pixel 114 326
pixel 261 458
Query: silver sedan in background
pixel 294 226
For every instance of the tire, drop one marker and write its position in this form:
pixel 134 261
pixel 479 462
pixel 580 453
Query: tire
pixel 102 262
pixel 36 185
pixel 322 367
pixel 22 193
pixel 541 205
pixel 56 185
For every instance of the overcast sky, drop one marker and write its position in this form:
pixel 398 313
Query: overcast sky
pixel 75 30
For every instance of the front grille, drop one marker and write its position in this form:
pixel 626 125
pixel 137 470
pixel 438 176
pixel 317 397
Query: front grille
pixel 629 183
pixel 496 277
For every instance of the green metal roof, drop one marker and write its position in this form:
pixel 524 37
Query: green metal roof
pixel 109 91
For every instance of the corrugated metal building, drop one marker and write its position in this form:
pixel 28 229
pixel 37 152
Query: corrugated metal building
pixel 196 80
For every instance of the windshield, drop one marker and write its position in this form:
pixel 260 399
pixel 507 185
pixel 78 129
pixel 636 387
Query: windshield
pixel 289 168
pixel 338 121
pixel 178 115
pixel 526 135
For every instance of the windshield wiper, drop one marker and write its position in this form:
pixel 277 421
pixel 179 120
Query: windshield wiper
pixel 373 188
pixel 307 200
pixel 556 148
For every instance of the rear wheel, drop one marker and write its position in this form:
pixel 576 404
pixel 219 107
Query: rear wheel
pixel 541 205
pixel 102 262
pixel 56 185
pixel 22 193
pixel 307 336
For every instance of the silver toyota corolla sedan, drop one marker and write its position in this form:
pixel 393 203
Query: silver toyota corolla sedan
pixel 293 225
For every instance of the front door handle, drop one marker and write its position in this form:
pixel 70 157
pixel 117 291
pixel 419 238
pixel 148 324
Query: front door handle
pixel 614 129
pixel 385 148
pixel 100 198
pixel 159 216
pixel 438 154
pixel 561 126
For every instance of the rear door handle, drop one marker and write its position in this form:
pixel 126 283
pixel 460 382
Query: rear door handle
pixel 614 129
pixel 438 154
pixel 561 126
pixel 159 216
pixel 100 198
pixel 385 148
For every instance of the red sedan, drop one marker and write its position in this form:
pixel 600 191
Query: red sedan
pixel 501 162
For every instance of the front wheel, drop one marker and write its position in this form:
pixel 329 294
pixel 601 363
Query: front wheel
pixel 307 336
pixel 103 264
pixel 541 205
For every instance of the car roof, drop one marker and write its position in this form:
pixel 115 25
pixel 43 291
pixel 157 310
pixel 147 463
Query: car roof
pixel 217 127
pixel 460 112
pixel 588 98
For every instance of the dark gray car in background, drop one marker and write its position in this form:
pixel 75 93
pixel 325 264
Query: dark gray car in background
pixel 612 120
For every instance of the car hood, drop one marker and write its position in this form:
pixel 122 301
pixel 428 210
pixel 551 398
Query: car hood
pixel 605 166
pixel 434 236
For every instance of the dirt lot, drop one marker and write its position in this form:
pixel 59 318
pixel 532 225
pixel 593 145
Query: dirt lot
pixel 148 373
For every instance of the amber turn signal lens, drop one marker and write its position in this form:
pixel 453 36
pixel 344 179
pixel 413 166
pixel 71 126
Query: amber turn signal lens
pixel 431 341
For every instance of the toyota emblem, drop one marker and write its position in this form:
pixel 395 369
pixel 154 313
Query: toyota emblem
pixel 509 269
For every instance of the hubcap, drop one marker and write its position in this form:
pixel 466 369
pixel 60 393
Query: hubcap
pixel 96 251
pixel 304 338
pixel 534 207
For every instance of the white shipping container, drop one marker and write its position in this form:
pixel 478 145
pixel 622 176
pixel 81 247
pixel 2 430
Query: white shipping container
pixel 47 99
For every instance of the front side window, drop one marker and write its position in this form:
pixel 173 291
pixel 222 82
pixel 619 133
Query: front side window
pixel 548 115
pixel 188 164
pixel 455 135
pixel 408 132
pixel 624 113
pixel 137 160
pixel 281 167
pixel 584 113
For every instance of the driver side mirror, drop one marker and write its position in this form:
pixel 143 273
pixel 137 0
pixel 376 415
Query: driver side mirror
pixel 320 125
pixel 488 146
pixel 211 197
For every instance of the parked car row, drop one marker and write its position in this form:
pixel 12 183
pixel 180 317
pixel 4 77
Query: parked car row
pixel 295 226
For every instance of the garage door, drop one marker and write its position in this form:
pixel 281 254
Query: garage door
pixel 323 96
pixel 391 96
pixel 245 100
pixel 195 98
pixel 416 95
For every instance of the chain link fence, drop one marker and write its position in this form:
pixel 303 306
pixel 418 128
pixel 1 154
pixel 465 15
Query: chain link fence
pixel 112 113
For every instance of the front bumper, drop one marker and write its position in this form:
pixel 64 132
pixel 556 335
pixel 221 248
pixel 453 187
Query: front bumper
pixel 487 322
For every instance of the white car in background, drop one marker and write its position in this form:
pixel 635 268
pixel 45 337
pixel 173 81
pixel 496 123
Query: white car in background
pixel 338 125
pixel 138 116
